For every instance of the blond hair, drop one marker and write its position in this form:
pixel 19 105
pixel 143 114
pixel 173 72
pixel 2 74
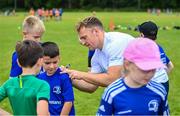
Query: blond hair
pixel 89 22
pixel 33 24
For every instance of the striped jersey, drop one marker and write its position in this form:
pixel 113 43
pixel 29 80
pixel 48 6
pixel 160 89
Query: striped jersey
pixel 119 99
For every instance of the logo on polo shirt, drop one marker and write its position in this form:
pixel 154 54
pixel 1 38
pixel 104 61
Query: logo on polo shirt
pixel 57 89
pixel 153 105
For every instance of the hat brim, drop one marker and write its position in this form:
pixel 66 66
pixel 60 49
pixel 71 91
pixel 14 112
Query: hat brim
pixel 150 65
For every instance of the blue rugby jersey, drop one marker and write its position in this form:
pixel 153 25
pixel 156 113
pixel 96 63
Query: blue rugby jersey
pixel 163 56
pixel 91 53
pixel 119 99
pixel 60 91
pixel 16 70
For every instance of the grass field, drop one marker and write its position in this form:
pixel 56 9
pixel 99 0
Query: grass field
pixel 63 33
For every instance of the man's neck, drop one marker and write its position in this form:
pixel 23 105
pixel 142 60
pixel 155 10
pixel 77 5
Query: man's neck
pixel 102 35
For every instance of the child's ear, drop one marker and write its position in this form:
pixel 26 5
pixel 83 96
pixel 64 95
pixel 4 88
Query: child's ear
pixel 24 34
pixel 141 35
pixel 18 63
pixel 126 64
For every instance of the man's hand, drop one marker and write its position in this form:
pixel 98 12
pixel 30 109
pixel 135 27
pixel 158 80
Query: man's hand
pixel 73 74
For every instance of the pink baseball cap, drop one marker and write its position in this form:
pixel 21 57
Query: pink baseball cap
pixel 144 53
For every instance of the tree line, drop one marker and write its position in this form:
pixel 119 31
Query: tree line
pixel 89 4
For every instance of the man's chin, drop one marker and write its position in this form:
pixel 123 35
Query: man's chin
pixel 91 48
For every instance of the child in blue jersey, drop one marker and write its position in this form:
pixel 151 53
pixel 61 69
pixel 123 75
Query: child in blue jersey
pixel 61 91
pixel 90 55
pixel 149 30
pixel 136 94
pixel 32 29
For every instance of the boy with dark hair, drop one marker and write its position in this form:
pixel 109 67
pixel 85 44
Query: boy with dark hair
pixel 149 30
pixel 27 94
pixel 61 91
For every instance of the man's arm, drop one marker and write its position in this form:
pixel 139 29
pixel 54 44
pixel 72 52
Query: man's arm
pixel 4 113
pixel 66 108
pixel 42 108
pixel 101 79
pixel 84 86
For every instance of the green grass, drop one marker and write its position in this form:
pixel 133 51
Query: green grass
pixel 63 33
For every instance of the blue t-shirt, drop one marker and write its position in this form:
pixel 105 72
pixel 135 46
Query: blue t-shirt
pixel 119 99
pixel 16 70
pixel 60 91
pixel 163 56
pixel 91 53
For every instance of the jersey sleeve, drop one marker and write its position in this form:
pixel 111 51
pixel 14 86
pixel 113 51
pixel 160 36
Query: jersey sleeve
pixel 44 91
pixel 67 89
pixel 105 108
pixel 164 57
pixel 3 93
pixel 164 108
pixel 16 70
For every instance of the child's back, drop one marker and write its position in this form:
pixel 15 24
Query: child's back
pixel 27 94
pixel 22 99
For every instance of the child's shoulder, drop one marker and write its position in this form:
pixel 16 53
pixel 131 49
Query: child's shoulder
pixel 116 88
pixel 157 88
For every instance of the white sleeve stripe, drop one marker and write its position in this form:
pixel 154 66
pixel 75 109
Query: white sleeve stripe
pixel 114 93
pixel 156 91
pixel 110 89
pixel 113 89
pixel 159 87
pixel 115 83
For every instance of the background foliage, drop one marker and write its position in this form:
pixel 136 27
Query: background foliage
pixel 89 4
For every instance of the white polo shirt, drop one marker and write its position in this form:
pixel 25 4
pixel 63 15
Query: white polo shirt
pixel 111 53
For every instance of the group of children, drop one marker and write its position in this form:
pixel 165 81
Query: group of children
pixel 47 14
pixel 37 86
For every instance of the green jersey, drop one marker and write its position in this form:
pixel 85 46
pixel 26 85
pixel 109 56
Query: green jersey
pixel 24 93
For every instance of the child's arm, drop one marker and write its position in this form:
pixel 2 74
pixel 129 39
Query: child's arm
pixel 170 66
pixel 42 108
pixel 66 108
pixel 4 113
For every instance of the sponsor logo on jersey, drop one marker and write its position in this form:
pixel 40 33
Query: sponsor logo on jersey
pixel 54 102
pixel 153 105
pixel 57 89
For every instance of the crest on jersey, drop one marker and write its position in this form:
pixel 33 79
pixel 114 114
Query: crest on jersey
pixel 57 89
pixel 153 105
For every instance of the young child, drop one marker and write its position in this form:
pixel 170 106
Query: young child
pixel 33 29
pixel 27 94
pixel 136 94
pixel 149 30
pixel 61 91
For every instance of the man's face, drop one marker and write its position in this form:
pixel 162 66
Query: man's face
pixel 89 37
pixel 50 65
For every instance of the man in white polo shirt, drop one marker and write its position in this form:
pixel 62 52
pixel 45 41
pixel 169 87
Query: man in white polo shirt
pixel 107 60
